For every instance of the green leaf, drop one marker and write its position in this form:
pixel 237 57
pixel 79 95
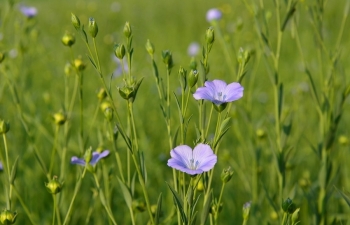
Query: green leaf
pixel 179 204
pixel 92 62
pixel 159 209
pixel 345 197
pixel 206 207
pixel 225 124
pixel 126 138
pixel 126 193
pixel 14 171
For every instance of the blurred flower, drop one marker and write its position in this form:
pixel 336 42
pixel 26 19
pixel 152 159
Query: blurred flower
pixel 200 160
pixel 95 158
pixel 213 14
pixel 119 70
pixel 13 53
pixel 1 166
pixel 28 11
pixel 193 49
pixel 218 92
pixel 246 210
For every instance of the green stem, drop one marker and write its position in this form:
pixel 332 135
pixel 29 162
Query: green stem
pixel 54 210
pixel 96 52
pixel 54 149
pixel 25 208
pixel 77 188
pixel 219 202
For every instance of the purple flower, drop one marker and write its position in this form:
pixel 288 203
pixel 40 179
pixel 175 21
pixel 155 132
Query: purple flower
pixel 200 160
pixel 28 11
pixel 1 167
pixel 193 49
pixel 96 156
pixel 218 92
pixel 213 14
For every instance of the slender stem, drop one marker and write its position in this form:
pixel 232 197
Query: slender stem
pixel 76 190
pixel 219 202
pixel 210 115
pixel 96 52
pixel 54 149
pixel 30 216
pixel 54 209
pixel 81 109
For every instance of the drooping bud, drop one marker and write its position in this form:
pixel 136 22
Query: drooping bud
pixel 127 30
pixel 68 39
pixel 193 78
pixel 75 21
pixel 4 126
pixel 209 36
pixel 183 78
pixel 79 64
pixel 54 186
pixel 119 51
pixel 226 175
pixel 59 118
pixel 8 217
pixel 93 29
pixel 167 59
pixel 101 94
pixel 104 105
pixel 149 47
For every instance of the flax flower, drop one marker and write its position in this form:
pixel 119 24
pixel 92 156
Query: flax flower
pixel 96 156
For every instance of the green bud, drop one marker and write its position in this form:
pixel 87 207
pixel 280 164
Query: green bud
pixel 68 39
pixel 101 94
pixel 129 92
pixel 193 78
pixel 2 57
pixel 88 155
pixel 4 127
pixel 139 205
pixel 260 133
pixel 167 58
pixel 226 175
pixel 104 105
pixel 246 210
pixel 119 51
pixel 79 64
pixel 8 217
pixel 93 29
pixel 240 57
pixel 68 68
pixel 54 186
pixel 295 216
pixel 127 30
pixel 182 77
pixel 59 118
pixel 149 47
pixel 220 108
pixel 193 64
pixel 288 206
pixel 209 36
pixel 343 140
pixel 75 21
pixel 108 114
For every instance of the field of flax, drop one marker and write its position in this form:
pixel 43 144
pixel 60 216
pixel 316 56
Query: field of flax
pixel 174 112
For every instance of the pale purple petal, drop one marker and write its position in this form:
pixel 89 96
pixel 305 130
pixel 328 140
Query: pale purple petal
pixel 28 11
pixel 205 157
pixel 204 93
pixel 213 14
pixel 1 166
pixel 193 49
pixel 78 161
pixel 180 157
pixel 233 92
pixel 97 156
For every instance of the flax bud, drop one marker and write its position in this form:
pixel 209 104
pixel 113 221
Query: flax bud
pixel 93 28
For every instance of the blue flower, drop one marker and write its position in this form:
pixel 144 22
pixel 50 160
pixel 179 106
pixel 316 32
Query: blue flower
pixel 218 92
pixel 213 15
pixel 28 11
pixel 201 159
pixel 96 156
pixel 193 49
pixel 1 166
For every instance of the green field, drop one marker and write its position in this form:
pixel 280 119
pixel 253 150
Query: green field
pixel 282 148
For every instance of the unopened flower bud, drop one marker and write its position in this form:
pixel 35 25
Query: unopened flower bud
pixel 167 58
pixel 288 206
pixel 59 118
pixel 54 186
pixel 88 155
pixel 127 30
pixel 108 114
pixel 149 47
pixel 119 51
pixel 182 77
pixel 104 105
pixel 93 29
pixel 4 126
pixel 226 175
pixel 343 140
pixel 101 94
pixel 68 39
pixel 295 216
pixel 192 78
pixel 246 210
pixel 79 64
pixel 2 57
pixel 209 36
pixel 68 68
pixel 193 64
pixel 8 217
pixel 75 21
pixel 260 133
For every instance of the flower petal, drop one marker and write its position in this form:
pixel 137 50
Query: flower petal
pixel 205 157
pixel 182 154
pixel 78 161
pixel 204 93
pixel 233 92
pixel 97 156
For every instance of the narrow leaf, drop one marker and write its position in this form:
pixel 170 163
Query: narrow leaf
pixel 206 208
pixel 179 204
pixel 126 193
pixel 159 209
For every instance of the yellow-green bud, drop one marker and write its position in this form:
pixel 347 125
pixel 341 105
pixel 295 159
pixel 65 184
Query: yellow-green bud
pixel 127 30
pixel 68 68
pixel 108 114
pixel 79 64
pixel 193 78
pixel 88 155
pixel 182 77
pixel 101 94
pixel 93 29
pixel 295 216
pixel 149 47
pixel 260 133
pixel 119 51
pixel 68 39
pixel 167 58
pixel 209 35
pixel 246 210
pixel 54 186
pixel 75 21
pixel 104 105
pixel 193 64
pixel 8 217
pixel 2 57
pixel 59 118
pixel 226 175
pixel 343 140
pixel 4 126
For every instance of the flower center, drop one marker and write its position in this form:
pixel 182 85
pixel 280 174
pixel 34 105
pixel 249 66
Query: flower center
pixel 193 165
pixel 220 96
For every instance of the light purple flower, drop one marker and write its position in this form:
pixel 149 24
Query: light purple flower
pixel 218 92
pixel 96 156
pixel 213 14
pixel 1 167
pixel 193 49
pixel 200 160
pixel 28 11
